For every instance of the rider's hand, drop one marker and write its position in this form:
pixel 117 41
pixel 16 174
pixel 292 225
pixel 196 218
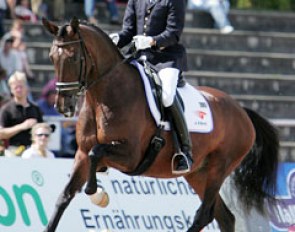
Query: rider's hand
pixel 114 37
pixel 142 42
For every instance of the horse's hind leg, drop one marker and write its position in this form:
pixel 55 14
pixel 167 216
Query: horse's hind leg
pixel 223 216
pixel 77 180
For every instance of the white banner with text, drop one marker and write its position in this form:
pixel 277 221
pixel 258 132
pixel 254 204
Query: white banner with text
pixel 30 188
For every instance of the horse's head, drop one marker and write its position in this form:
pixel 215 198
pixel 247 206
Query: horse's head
pixel 70 58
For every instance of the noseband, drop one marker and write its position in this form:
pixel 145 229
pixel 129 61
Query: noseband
pixel 80 85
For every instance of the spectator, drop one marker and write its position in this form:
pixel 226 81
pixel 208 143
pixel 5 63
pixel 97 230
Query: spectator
pixel 4 90
pixel 2 100
pixel 2 141
pixel 219 11
pixel 40 137
pixel 89 8
pixel 18 115
pixel 124 2
pixel 9 63
pixel 2 148
pixel 39 8
pixel 68 128
pixel 17 33
pixel 47 100
pixel 59 9
pixel 23 11
pixel 4 6
pixel 9 60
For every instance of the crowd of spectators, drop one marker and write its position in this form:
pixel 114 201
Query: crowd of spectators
pixel 19 112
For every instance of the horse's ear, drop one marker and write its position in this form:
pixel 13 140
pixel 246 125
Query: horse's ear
pixel 50 26
pixel 74 24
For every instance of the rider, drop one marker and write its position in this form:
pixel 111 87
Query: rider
pixel 156 26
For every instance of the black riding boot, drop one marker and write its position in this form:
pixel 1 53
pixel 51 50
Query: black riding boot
pixel 184 159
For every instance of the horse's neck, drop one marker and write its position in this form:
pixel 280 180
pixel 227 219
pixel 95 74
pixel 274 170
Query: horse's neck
pixel 121 85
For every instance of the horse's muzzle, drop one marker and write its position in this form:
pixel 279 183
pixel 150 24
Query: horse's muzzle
pixel 66 105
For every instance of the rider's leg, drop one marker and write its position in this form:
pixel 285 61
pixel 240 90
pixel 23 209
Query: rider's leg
pixel 183 164
pixel 169 78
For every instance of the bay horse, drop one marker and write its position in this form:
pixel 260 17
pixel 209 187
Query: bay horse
pixel 115 126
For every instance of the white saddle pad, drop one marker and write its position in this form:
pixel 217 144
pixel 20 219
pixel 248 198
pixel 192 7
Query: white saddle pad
pixel 196 109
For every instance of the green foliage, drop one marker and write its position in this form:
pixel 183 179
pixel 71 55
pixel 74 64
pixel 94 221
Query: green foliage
pixel 286 5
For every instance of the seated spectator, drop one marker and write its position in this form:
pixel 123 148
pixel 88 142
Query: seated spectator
pixel 2 100
pixel 4 90
pixel 17 32
pixel 2 141
pixel 6 11
pixel 59 9
pixel 89 9
pixel 68 128
pixel 23 11
pixel 40 134
pixel 47 100
pixel 123 2
pixel 218 9
pixel 9 63
pixel 9 60
pixel 18 115
pixel 39 8
pixel 2 148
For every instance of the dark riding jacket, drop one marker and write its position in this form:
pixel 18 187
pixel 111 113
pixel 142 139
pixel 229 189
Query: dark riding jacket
pixel 162 20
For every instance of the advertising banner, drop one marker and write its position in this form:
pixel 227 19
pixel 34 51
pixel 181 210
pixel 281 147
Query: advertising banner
pixel 30 188
pixel 282 214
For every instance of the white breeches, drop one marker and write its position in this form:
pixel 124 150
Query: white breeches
pixel 169 78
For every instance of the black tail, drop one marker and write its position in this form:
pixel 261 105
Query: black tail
pixel 255 178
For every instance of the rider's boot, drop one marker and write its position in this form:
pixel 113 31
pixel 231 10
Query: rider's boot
pixel 184 159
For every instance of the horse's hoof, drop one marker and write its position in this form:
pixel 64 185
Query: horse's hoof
pixel 89 190
pixel 100 198
pixel 194 228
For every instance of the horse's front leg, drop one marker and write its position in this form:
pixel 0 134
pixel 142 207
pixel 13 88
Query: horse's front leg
pixel 77 180
pixel 95 155
pixel 118 153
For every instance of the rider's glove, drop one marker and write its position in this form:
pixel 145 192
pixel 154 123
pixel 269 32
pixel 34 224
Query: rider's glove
pixel 142 42
pixel 114 37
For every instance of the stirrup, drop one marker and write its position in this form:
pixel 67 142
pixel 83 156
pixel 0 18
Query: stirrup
pixel 177 172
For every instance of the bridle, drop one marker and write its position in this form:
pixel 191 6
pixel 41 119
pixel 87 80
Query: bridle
pixel 78 86
pixel 82 84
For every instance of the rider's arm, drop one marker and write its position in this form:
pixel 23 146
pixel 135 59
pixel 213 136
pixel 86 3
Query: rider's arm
pixel 129 25
pixel 175 24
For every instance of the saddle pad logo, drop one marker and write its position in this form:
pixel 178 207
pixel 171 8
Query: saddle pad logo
pixel 201 114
